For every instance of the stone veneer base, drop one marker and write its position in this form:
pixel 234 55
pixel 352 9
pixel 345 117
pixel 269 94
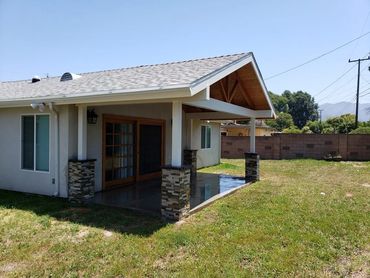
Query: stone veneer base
pixel 81 180
pixel 190 159
pixel 175 192
pixel 252 165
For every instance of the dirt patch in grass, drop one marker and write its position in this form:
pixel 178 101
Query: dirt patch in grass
pixel 355 266
pixel 11 267
pixel 176 256
pixel 107 233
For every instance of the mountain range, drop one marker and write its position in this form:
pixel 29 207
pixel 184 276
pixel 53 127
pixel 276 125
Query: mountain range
pixel 340 108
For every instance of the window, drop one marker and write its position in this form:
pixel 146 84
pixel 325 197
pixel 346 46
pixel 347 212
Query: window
pixel 35 142
pixel 206 137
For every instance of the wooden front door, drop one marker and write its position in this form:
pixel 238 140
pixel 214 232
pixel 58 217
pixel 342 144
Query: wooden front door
pixel 132 150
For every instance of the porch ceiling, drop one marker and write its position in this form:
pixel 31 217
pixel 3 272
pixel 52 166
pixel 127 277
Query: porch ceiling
pixel 243 88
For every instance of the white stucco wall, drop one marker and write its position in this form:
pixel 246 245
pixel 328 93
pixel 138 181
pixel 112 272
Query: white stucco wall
pixel 12 177
pixel 210 156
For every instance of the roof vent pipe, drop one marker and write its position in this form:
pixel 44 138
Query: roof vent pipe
pixel 35 79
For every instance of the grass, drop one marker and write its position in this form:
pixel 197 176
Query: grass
pixel 304 218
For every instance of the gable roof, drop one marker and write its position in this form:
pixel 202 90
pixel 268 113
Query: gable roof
pixel 175 75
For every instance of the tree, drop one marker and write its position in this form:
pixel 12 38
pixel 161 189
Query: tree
pixel 318 127
pixel 280 103
pixel 302 107
pixel 283 121
pixel 342 124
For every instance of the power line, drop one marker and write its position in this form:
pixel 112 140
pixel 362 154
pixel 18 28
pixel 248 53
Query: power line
pixel 336 90
pixel 336 80
pixel 365 91
pixel 318 57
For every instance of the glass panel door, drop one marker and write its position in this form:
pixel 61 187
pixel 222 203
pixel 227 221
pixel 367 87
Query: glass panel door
pixel 150 147
pixel 119 160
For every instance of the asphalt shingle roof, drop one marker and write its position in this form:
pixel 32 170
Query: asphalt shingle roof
pixel 169 75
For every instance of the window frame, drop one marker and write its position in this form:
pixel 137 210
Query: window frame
pixel 34 144
pixel 205 138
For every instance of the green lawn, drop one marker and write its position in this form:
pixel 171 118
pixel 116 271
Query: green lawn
pixel 304 218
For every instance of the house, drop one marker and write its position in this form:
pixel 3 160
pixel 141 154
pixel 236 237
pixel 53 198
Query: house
pixel 77 134
pixel 233 128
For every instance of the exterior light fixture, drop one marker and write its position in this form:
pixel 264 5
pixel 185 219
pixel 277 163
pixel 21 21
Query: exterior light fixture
pixel 40 106
pixel 92 117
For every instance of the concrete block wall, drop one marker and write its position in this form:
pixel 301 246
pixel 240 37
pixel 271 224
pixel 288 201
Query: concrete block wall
pixel 290 146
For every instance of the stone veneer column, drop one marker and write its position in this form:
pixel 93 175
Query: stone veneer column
pixel 81 180
pixel 175 192
pixel 190 159
pixel 252 165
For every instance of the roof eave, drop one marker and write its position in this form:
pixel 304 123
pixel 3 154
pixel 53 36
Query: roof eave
pixel 105 96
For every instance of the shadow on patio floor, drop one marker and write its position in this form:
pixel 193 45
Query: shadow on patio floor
pixel 112 219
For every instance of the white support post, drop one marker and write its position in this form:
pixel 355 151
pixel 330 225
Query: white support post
pixel 176 133
pixel 252 135
pixel 82 132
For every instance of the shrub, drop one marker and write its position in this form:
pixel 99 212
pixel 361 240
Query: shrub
pixel 292 130
pixel 361 130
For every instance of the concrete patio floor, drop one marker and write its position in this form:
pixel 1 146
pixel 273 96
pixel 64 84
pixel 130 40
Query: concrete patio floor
pixel 146 196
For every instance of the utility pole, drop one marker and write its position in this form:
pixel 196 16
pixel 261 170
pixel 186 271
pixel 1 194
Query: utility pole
pixel 320 114
pixel 358 61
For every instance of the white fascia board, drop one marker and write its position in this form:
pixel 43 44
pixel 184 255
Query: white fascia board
pixel 213 77
pixel 263 85
pixel 213 116
pixel 200 96
pixel 226 116
pixel 221 106
pixel 104 97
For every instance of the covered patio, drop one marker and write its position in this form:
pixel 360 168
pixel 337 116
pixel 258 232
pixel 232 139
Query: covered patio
pixel 145 196
pixel 162 130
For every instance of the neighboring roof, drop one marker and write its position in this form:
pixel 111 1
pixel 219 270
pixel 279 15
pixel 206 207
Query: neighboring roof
pixel 259 124
pixel 142 78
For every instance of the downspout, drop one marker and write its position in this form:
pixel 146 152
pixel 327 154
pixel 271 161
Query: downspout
pixel 57 143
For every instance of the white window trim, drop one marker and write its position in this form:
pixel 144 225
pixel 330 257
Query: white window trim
pixel 34 145
pixel 210 135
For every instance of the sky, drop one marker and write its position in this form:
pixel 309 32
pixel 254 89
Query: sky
pixel 51 37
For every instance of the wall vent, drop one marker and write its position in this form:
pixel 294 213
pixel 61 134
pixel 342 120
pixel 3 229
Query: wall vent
pixel 69 76
pixel 35 79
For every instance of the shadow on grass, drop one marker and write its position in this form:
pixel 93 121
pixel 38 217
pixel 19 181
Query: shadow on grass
pixel 112 219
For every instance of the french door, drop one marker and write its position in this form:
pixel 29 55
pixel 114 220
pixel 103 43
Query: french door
pixel 119 152
pixel 132 150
